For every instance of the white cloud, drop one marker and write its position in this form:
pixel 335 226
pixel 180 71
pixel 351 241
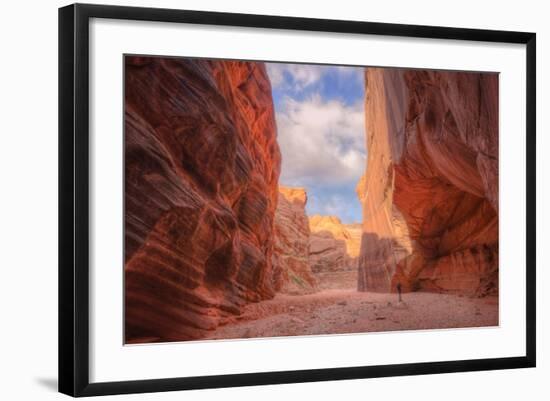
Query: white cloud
pixel 356 73
pixel 276 74
pixel 334 206
pixel 298 77
pixel 301 75
pixel 322 142
pixel 345 205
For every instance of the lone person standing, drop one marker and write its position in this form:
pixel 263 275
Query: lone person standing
pixel 399 290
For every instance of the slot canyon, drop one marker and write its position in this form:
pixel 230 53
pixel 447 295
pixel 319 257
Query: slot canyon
pixel 217 247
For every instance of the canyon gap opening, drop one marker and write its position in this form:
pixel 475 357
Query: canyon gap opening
pixel 320 120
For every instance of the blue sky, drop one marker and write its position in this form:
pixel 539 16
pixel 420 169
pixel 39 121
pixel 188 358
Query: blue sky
pixel 321 133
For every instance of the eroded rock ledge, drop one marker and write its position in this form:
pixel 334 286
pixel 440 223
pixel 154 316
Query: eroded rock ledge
pixel 292 271
pixel 430 193
pixel 202 165
pixel 333 246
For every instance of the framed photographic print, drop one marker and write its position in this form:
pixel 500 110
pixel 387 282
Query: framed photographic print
pixel 249 199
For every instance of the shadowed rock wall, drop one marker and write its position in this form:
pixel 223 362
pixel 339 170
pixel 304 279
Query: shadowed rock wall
pixel 292 272
pixel 430 192
pixel 201 171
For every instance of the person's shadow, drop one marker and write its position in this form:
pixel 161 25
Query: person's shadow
pixel 48 382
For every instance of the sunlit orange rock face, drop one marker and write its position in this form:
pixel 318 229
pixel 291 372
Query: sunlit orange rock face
pixel 333 246
pixel 292 272
pixel 430 192
pixel 201 171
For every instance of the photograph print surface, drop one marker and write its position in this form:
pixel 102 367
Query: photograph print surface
pixel 267 199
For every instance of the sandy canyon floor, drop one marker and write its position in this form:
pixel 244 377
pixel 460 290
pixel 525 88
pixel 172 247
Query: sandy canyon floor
pixel 337 311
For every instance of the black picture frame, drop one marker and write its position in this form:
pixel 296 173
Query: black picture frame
pixel 74 198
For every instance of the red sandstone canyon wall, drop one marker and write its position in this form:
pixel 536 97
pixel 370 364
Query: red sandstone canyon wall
pixel 292 272
pixel 430 192
pixel 333 246
pixel 201 171
pixel 334 249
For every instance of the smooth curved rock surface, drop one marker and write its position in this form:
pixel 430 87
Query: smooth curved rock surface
pixel 430 193
pixel 292 272
pixel 201 171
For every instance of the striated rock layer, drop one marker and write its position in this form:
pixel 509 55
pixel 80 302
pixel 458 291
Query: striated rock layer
pixel 201 171
pixel 292 273
pixel 333 246
pixel 430 193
